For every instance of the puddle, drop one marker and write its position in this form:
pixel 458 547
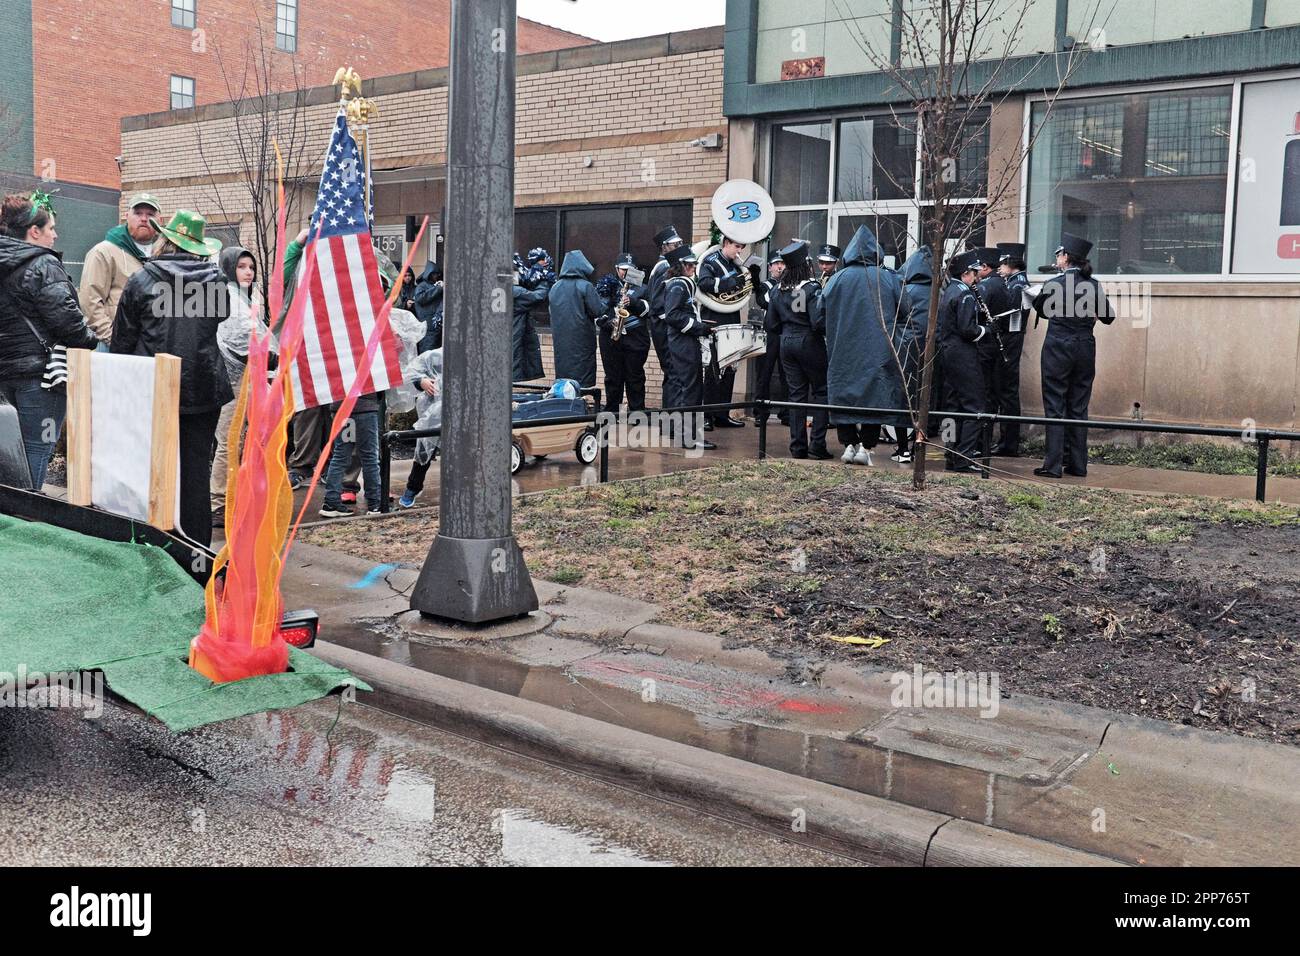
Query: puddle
pixel 528 841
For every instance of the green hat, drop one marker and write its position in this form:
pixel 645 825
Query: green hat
pixel 186 231
pixel 142 199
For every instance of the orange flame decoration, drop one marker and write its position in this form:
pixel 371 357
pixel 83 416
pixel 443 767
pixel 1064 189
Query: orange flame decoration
pixel 241 632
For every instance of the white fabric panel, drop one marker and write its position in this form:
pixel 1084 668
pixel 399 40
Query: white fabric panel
pixel 122 433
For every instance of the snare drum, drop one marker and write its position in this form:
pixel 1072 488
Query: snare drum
pixel 736 343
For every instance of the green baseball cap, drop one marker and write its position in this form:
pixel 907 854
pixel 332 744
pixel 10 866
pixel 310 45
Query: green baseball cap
pixel 142 199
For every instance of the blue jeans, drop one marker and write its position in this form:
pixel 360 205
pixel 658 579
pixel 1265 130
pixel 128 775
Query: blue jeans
pixel 363 428
pixel 40 418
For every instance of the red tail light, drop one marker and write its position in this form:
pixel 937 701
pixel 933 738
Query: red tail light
pixel 299 628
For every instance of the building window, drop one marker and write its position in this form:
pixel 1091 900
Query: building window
pixel 802 177
pixel 1266 231
pixel 183 13
pixel 872 162
pixel 286 25
pixel 1143 176
pixel 601 232
pixel 182 92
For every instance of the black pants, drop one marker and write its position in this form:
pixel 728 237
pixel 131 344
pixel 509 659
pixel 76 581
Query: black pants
pixel 198 442
pixel 1069 363
pixel 1007 391
pixel 768 362
pixel 624 364
pixel 990 359
pixel 868 435
pixel 415 480
pixel 659 338
pixel 964 386
pixel 804 358
pixel 719 384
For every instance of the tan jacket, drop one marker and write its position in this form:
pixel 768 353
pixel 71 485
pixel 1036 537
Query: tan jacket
pixel 103 278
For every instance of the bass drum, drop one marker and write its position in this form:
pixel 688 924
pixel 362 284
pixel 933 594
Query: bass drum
pixel 735 343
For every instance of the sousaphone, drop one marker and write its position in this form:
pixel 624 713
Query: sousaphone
pixel 744 213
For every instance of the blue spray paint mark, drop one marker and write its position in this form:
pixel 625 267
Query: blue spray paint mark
pixel 373 575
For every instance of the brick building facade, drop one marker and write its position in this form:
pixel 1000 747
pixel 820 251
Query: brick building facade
pixel 85 64
pixel 607 140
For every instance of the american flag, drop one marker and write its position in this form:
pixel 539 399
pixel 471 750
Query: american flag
pixel 343 297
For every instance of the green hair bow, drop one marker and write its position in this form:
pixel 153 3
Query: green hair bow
pixel 41 201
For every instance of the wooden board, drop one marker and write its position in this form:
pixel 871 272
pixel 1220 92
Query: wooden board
pixel 164 449
pixel 79 427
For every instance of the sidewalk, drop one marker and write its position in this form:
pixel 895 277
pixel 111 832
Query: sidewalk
pixel 1070 783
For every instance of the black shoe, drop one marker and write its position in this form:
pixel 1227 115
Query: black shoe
pixel 706 445
pixel 728 422
pixel 1044 473
pixel 798 454
pixel 821 454
pixel 1076 474
pixel 1006 452
pixel 965 469
pixel 708 426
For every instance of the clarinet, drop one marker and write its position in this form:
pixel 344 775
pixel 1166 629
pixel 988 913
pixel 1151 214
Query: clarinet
pixel 992 323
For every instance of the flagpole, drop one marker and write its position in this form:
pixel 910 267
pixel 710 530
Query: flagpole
pixel 475 571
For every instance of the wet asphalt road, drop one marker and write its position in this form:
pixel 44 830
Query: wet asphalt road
pixel 297 787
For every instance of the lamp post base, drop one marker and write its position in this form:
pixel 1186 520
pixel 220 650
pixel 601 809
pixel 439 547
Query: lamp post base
pixel 474 580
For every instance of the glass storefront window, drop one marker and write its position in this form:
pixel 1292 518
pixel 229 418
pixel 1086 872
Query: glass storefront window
pixel 1141 175
pixel 809 225
pixel 1266 233
pixel 875 159
pixel 971 174
pixel 802 175
pixel 890 233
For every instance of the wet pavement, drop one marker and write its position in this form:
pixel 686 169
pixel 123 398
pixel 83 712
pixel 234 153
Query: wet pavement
pixel 329 783
pixel 737 444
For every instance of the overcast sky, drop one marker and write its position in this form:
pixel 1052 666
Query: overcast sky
pixel 621 19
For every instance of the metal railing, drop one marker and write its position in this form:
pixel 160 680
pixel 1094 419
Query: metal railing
pixel 1262 437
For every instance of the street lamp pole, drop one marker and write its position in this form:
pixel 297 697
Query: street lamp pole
pixel 475 571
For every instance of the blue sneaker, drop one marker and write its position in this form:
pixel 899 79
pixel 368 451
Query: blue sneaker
pixel 296 480
pixel 407 500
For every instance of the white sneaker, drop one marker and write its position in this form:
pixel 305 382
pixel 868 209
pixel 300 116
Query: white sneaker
pixel 902 457
pixel 863 457
pixel 849 453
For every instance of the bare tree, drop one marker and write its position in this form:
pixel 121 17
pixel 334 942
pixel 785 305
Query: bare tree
pixel 958 60
pixel 269 132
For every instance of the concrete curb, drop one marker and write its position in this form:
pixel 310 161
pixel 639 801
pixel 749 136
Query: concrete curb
pixel 868 828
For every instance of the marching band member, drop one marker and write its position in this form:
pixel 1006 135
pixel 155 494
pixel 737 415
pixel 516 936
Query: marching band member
pixel 650 299
pixel 863 316
pixel 624 359
pixel 683 378
pixel 991 293
pixel 575 307
pixel 828 257
pixel 918 277
pixel 1072 302
pixel 1011 266
pixel 960 329
pixel 771 359
pixel 720 273
pixel 803 350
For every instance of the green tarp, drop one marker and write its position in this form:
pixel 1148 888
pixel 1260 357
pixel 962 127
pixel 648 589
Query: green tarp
pixel 69 602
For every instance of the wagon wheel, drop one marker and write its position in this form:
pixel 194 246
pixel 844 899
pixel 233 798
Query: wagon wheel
pixel 516 457
pixel 588 446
